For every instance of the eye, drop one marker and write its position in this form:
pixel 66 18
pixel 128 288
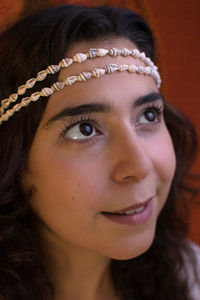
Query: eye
pixel 81 131
pixel 151 115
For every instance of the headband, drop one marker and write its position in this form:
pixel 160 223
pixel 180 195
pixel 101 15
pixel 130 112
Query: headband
pixel 149 69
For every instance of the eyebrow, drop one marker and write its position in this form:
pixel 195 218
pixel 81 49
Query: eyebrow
pixel 99 108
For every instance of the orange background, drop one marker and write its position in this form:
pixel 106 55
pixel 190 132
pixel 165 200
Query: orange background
pixel 176 26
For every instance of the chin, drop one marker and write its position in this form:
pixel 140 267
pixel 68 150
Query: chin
pixel 134 248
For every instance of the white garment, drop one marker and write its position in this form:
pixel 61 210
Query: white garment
pixel 194 286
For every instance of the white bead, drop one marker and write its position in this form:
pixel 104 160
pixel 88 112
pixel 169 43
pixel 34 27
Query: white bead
pixel 114 52
pixel 111 68
pixel 125 52
pixel 132 68
pixel 5 103
pixel 135 53
pixel 92 53
pixel 13 97
pixel 35 96
pixel 30 83
pixel 10 112
pixel 46 92
pixel 70 80
pixel 97 73
pixel 41 75
pixel 17 107
pixel 80 57
pixel 65 62
pixel 84 76
pixel 123 68
pixel 102 52
pixel 25 101
pixel 57 86
pixel 52 69
pixel 22 90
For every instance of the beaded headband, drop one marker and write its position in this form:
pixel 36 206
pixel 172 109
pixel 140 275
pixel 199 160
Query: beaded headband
pixel 150 69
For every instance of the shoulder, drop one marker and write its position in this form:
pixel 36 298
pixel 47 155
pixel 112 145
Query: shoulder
pixel 192 267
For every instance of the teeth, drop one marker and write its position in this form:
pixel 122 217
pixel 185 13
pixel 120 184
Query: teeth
pixel 137 210
pixel 132 211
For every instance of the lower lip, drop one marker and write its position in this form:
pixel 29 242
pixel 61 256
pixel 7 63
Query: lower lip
pixel 135 218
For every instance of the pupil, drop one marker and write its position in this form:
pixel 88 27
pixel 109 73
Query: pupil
pixel 150 115
pixel 86 129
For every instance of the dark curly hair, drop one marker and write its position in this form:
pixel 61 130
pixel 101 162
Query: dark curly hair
pixel 30 45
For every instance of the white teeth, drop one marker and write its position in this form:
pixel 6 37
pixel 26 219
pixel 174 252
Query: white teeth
pixel 137 210
pixel 132 211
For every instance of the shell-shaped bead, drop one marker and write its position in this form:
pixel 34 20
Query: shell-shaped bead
pixel 1 111
pixel 13 97
pixel 46 92
pixel 25 101
pixel 122 68
pixel 52 69
pixel 65 62
pixel 22 90
pixel 41 75
pixel 5 103
pixel 111 68
pixel 142 56
pixel 102 52
pixel 70 80
pixel 17 107
pixel 84 76
pixel 80 57
pixel 125 52
pixel 5 117
pixel 135 53
pixel 10 112
pixel 35 96
pixel 114 52
pixel 30 83
pixel 97 73
pixel 92 53
pixel 132 68
pixel 57 86
pixel 141 69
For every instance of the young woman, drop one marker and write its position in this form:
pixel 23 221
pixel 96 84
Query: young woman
pixel 93 163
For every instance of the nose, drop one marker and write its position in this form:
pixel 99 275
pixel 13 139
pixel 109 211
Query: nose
pixel 130 160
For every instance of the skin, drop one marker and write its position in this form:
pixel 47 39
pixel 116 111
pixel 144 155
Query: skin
pixel 74 181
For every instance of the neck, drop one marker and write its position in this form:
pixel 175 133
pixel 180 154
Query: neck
pixel 77 273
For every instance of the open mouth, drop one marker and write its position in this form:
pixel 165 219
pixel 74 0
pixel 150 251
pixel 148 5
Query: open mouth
pixel 128 211
pixel 133 215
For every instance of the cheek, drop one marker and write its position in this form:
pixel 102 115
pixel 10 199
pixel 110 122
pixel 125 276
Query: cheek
pixel 165 159
pixel 59 180
pixel 164 164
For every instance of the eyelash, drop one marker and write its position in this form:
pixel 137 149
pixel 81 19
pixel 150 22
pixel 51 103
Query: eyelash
pixel 79 120
pixel 158 109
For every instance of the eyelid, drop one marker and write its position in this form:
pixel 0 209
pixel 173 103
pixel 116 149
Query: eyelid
pixel 78 120
pixel 158 108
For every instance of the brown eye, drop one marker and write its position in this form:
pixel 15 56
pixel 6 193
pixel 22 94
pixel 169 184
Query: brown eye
pixel 150 115
pixel 81 131
pixel 86 129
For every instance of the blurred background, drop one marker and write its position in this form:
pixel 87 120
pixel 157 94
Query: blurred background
pixel 176 27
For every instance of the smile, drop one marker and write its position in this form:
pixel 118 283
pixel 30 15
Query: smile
pixel 133 215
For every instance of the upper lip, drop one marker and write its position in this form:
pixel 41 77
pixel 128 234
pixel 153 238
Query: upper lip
pixel 132 207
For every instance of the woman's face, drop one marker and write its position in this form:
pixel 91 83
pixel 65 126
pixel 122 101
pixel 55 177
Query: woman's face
pixel 102 160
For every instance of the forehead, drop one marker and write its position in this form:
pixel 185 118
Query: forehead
pixel 110 88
